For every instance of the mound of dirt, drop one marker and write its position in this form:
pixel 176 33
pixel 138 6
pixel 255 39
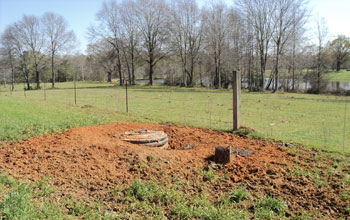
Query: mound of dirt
pixel 87 162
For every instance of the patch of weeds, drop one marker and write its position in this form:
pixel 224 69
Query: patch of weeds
pixel 332 170
pixel 153 193
pixel 140 166
pixel 150 158
pixel 298 171
pixel 151 201
pixel 318 180
pixel 201 208
pixel 18 203
pixel 302 216
pixel 267 208
pixel 7 181
pixel 208 175
pixel 175 178
pixel 347 209
pixel 345 195
pixel 77 208
pixel 238 195
pixel 257 136
pixel 347 179
pixel 243 132
pixel 44 187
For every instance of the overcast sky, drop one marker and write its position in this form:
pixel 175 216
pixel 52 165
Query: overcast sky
pixel 81 13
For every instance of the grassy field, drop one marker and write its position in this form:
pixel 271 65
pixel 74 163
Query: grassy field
pixel 314 120
pixel 320 121
pixel 341 76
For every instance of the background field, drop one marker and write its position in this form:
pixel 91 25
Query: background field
pixel 320 121
pixel 341 76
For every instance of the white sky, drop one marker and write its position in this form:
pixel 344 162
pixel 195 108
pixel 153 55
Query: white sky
pixel 81 13
pixel 336 13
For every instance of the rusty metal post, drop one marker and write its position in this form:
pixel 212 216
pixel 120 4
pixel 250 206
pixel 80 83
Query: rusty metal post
pixel 236 89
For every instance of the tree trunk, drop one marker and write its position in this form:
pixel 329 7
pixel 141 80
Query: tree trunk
pixel 52 70
pixel 26 76
pixel 12 74
pixel 262 71
pixel 338 66
pixel 200 74
pixel 151 71
pixel 120 78
pixel 37 78
pixel 276 66
pixel 132 68
pixel 119 66
pixel 109 76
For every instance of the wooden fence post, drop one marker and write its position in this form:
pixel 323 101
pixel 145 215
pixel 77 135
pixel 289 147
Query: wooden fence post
pixel 236 88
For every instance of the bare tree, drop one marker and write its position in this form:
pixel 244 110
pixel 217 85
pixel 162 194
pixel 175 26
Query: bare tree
pixel 104 55
pixel 288 15
pixel 186 29
pixel 21 51
pixel 130 36
pixel 8 46
pixel 30 33
pixel 59 38
pixel 109 29
pixel 217 28
pixel 151 16
pixel 321 34
pixel 260 14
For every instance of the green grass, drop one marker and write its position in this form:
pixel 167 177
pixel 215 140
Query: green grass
pixel 269 207
pixel 313 120
pixel 148 200
pixel 238 195
pixel 341 76
pixel 21 200
pixel 21 118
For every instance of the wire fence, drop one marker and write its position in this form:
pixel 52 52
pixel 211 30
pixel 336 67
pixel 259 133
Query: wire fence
pixel 315 120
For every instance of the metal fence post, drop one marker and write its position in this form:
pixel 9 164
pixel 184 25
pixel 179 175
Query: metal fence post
pixel 126 96
pixel 75 90
pixel 236 89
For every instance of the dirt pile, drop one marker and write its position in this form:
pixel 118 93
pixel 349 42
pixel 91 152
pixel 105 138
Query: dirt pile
pixel 88 162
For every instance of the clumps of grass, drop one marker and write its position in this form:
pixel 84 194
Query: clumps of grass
pixel 19 203
pixel 151 192
pixel 7 181
pixel 238 195
pixel 345 195
pixel 86 210
pixel 87 106
pixel 44 188
pixel 22 200
pixel 298 171
pixel 302 217
pixel 269 207
pixel 246 132
pixel 77 208
pixel 207 174
pixel 149 200
pixel 347 179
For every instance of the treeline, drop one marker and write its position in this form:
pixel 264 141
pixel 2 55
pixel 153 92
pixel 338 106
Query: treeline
pixel 29 47
pixel 182 43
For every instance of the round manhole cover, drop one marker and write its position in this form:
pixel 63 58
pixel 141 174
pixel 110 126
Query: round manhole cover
pixel 146 137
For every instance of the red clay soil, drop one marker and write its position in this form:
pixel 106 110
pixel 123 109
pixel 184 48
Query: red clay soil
pixel 87 162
